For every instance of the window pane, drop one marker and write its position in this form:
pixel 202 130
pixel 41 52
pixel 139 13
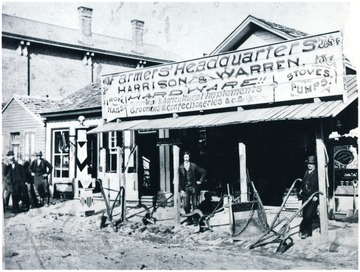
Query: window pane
pixel 112 139
pixel 57 146
pixel 57 166
pixel 65 166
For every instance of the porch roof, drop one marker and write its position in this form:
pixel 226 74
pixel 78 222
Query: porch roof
pixel 303 111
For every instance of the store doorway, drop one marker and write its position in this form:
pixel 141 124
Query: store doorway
pixel 148 161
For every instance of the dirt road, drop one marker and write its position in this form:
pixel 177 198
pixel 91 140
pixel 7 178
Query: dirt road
pixel 48 238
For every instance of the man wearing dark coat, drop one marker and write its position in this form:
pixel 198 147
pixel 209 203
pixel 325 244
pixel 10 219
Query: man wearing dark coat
pixel 40 169
pixel 30 185
pixel 16 174
pixel 309 186
pixel 190 176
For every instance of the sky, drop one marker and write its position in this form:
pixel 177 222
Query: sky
pixel 190 29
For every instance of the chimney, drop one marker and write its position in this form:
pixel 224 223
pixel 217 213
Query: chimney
pixel 85 18
pixel 138 36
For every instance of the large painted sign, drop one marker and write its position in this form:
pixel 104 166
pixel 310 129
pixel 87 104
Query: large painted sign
pixel 298 69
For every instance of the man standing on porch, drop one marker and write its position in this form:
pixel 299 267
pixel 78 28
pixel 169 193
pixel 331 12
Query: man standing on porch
pixel 188 183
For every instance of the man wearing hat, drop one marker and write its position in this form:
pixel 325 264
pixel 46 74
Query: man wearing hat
pixel 16 174
pixel 309 186
pixel 40 169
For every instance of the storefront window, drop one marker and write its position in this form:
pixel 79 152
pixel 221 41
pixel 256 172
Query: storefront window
pixel 61 153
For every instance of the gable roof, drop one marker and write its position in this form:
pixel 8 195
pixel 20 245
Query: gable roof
pixel 34 105
pixel 21 28
pixel 87 98
pixel 248 26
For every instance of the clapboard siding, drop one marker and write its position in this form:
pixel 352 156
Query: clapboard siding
pixel 260 37
pixel 17 119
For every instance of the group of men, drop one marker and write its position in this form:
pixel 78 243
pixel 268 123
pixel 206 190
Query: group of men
pixel 26 183
pixel 192 175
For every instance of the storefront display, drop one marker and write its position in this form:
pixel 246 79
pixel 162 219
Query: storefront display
pixel 345 180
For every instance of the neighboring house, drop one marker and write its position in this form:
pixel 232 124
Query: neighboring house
pixel 41 59
pixel 23 129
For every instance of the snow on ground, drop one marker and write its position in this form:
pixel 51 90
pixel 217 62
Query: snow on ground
pixel 61 237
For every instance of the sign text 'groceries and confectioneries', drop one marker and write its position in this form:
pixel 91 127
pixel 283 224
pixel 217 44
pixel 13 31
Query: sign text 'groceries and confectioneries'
pixel 298 69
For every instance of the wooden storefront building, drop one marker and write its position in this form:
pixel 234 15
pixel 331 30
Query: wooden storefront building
pixel 265 99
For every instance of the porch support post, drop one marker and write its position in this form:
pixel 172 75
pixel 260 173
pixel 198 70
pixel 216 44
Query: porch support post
pixel 122 181
pixel 176 154
pixel 164 154
pixel 167 168
pixel 162 162
pixel 243 176
pixel 322 179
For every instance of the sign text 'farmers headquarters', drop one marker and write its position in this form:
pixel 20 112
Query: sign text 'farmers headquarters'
pixel 302 68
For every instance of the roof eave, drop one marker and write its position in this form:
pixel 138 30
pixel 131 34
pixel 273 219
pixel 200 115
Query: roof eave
pixel 7 104
pixel 84 48
pixel 63 113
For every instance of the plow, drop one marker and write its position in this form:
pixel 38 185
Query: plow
pixel 280 230
pixel 114 212
pixel 241 214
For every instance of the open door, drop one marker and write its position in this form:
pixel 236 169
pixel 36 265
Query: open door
pixel 149 169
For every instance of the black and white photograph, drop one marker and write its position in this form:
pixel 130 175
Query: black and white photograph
pixel 180 135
